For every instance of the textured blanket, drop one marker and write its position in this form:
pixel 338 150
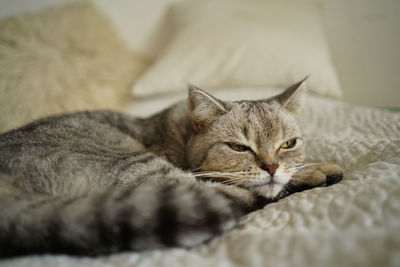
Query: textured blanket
pixel 353 223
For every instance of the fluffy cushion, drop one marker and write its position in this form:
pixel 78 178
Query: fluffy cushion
pixel 223 43
pixel 62 60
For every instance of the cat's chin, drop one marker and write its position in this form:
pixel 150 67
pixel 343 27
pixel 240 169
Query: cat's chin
pixel 269 190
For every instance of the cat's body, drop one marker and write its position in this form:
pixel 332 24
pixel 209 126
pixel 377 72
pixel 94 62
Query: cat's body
pixel 91 183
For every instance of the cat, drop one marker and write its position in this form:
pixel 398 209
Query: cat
pixel 93 183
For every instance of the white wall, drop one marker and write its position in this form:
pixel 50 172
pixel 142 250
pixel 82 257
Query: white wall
pixel 364 37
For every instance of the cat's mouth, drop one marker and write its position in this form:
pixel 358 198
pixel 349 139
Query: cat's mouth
pixel 270 184
pixel 269 189
pixel 265 186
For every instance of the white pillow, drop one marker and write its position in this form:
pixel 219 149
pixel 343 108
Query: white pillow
pixel 230 43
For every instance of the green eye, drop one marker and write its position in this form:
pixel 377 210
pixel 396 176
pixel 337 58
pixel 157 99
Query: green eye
pixel 237 147
pixel 289 144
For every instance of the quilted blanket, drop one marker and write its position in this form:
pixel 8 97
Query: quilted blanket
pixel 353 223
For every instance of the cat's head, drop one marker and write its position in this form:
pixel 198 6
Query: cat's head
pixel 254 144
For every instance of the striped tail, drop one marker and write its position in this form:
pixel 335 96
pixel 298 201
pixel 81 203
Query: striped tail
pixel 145 217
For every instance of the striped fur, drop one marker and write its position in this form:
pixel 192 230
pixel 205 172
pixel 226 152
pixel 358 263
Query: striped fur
pixel 93 183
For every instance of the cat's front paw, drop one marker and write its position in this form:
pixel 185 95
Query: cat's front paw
pixel 333 174
pixel 324 174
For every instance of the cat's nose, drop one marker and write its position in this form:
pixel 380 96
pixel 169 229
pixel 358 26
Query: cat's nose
pixel 270 168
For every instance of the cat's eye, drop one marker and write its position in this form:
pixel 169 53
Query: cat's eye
pixel 289 144
pixel 237 147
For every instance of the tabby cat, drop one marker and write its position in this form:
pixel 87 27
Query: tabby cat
pixel 92 183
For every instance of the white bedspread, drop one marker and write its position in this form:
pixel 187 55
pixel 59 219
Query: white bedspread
pixel 353 223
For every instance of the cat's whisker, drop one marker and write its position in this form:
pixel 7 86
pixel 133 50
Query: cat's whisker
pixel 301 166
pixel 226 172
pixel 298 179
pixel 232 178
pixel 228 178
pixel 196 169
pixel 302 170
pixel 233 181
pixel 226 175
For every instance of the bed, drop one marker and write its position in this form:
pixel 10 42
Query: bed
pixel 353 223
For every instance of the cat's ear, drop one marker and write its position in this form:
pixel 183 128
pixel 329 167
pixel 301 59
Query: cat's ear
pixel 291 98
pixel 204 108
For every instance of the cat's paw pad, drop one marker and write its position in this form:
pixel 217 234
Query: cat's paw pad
pixel 333 179
pixel 332 172
pixel 324 174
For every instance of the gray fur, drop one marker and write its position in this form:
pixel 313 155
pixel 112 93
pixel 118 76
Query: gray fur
pixel 91 183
